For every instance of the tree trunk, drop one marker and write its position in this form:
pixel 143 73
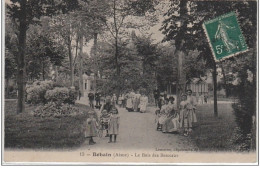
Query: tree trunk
pixel 224 78
pixel 95 61
pixel 214 77
pixel 71 63
pixel 80 64
pixel 7 87
pixel 181 82
pixel 21 70
pixel 116 49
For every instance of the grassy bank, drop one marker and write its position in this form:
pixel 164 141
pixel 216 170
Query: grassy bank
pixel 214 133
pixel 27 131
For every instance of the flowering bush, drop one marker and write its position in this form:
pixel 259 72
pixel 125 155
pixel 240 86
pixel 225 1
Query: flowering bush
pixel 61 95
pixel 56 110
pixel 36 91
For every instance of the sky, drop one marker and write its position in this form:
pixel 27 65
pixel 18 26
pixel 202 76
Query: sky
pixel 156 34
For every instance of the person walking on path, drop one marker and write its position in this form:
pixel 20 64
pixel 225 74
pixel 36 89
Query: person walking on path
pixel 97 98
pixel 113 126
pixel 156 94
pixel 91 128
pixel 79 94
pixel 91 97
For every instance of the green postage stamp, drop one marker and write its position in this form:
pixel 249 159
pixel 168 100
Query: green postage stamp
pixel 224 36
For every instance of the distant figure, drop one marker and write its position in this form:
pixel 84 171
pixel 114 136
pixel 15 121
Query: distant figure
pixel 120 100
pixel 143 103
pixel 156 94
pixel 79 94
pixel 123 100
pixel 114 99
pixel 165 95
pixel 97 98
pixel 129 101
pixel 91 97
pixel 137 101
pixel 205 99
pixel 160 102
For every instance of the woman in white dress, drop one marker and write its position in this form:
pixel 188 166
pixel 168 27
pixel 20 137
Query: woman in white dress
pixel 191 108
pixel 143 103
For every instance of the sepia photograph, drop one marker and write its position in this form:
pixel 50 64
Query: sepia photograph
pixel 130 82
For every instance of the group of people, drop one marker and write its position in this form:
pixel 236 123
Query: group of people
pixel 96 97
pixel 110 120
pixel 136 102
pixel 168 119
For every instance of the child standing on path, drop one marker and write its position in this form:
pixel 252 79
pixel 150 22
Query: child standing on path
pixel 91 128
pixel 113 126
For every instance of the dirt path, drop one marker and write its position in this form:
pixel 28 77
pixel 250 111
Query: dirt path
pixel 138 131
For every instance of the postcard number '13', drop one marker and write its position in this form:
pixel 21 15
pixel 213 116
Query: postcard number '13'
pixel 219 49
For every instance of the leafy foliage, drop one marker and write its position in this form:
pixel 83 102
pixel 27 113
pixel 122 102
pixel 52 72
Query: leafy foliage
pixel 53 109
pixel 36 91
pixel 61 95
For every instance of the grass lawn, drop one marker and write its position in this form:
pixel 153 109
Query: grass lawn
pixel 27 131
pixel 214 133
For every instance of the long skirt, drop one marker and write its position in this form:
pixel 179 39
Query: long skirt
pixel 171 124
pixel 187 117
pixel 129 103
pixel 162 119
pixel 143 106
pixel 91 129
pixel 113 127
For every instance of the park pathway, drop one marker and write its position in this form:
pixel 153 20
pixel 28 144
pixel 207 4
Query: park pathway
pixel 138 131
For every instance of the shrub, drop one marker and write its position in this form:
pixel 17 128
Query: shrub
pixel 61 95
pixel 72 96
pixel 36 91
pixel 244 110
pixel 56 110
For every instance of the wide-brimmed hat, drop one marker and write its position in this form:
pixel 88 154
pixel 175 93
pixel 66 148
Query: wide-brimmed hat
pixel 184 95
pixel 189 90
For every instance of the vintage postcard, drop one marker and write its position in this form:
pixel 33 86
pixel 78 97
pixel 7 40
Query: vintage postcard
pixel 101 82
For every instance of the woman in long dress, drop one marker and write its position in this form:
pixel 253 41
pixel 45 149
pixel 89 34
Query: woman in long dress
pixel 163 114
pixel 190 108
pixel 171 124
pixel 129 101
pixel 183 114
pixel 143 103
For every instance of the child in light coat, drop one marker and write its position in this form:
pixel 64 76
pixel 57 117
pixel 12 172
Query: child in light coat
pixel 113 125
pixel 91 129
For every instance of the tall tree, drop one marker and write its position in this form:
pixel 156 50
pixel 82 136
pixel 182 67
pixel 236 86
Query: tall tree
pixel 24 13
